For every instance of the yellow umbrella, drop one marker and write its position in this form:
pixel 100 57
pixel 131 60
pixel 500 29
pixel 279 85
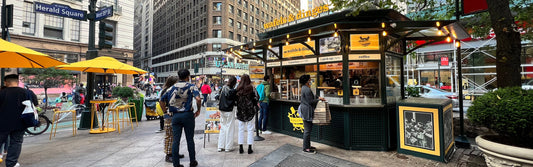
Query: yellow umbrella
pixel 102 64
pixel 16 56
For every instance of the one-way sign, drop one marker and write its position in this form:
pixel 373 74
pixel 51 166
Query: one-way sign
pixel 104 13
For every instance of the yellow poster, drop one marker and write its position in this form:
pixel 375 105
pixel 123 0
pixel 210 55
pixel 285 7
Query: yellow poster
pixel 212 120
pixel 298 49
pixel 364 42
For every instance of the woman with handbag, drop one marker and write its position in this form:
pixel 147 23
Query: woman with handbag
pixel 227 98
pixel 306 111
pixel 246 108
pixel 168 121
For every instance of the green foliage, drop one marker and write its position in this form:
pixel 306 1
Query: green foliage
pixel 48 77
pixel 412 91
pixel 507 111
pixel 123 92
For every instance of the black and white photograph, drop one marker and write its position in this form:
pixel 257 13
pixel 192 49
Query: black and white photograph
pixel 448 131
pixel 272 56
pixel 418 129
pixel 331 44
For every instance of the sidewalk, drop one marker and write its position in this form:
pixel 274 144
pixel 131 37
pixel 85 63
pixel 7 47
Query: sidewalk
pixel 143 147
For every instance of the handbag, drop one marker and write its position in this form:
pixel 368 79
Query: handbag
pixel 158 109
pixel 322 115
pixel 29 115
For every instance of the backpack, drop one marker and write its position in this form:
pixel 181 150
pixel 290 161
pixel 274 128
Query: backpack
pixel 77 98
pixel 179 96
pixel 227 99
pixel 261 91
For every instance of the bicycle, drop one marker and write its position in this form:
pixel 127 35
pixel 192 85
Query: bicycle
pixel 44 121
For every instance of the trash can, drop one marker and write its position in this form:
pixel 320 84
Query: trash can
pixel 139 107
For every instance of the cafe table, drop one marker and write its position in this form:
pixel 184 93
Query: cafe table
pixel 102 104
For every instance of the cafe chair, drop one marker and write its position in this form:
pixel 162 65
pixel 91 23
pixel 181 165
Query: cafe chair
pixel 112 112
pixel 124 115
pixel 56 118
pixel 130 105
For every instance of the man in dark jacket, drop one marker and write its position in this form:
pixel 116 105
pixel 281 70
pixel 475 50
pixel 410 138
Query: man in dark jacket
pixel 11 124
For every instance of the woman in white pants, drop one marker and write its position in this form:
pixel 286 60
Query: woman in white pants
pixel 227 98
pixel 246 108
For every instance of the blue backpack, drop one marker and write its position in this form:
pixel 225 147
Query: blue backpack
pixel 261 91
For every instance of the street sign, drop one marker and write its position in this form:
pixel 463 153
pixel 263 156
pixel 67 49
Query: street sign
pixel 444 61
pixel 60 10
pixel 104 13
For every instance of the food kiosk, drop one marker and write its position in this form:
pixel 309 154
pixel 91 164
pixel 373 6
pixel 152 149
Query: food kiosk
pixel 356 64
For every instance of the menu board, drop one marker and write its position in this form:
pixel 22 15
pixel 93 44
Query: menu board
pixel 212 120
pixel 298 49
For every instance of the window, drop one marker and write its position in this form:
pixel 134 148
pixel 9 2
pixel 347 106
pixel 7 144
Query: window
pixel 239 37
pixel 230 22
pixel 245 16
pixel 230 8
pixel 217 47
pixel 217 33
pixel 251 30
pixel 252 8
pixel 75 30
pixel 28 25
pixel 217 19
pixel 239 1
pixel 245 39
pixel 239 12
pixel 245 28
pixel 239 25
pixel 53 26
pixel 251 19
pixel 230 36
pixel 257 11
pixel 217 6
pixel 245 4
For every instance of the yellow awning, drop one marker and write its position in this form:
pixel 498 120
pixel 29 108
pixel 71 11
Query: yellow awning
pixel 102 64
pixel 16 56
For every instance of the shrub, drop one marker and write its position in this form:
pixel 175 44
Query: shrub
pixel 123 92
pixel 507 111
pixel 413 91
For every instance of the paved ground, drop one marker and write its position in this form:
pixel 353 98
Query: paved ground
pixel 143 147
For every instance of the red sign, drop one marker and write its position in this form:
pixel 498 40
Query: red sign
pixel 474 6
pixel 444 61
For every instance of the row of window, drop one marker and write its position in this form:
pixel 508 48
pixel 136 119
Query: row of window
pixel 181 54
pixel 218 34
pixel 53 25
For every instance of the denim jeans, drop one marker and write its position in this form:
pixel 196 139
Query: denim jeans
pixel 15 145
pixel 263 118
pixel 205 99
pixel 183 121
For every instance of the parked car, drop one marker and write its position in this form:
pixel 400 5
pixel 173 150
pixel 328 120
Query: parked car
pixel 431 92
pixel 528 85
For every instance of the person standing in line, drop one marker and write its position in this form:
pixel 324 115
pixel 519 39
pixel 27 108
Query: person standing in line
pixel 11 123
pixel 180 99
pixel 246 109
pixel 263 90
pixel 306 110
pixel 168 121
pixel 206 90
pixel 227 97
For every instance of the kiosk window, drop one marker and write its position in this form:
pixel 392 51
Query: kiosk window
pixel 364 83
pixel 330 82
pixel 392 64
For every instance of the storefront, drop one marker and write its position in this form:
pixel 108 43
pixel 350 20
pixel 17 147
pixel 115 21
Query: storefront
pixel 355 62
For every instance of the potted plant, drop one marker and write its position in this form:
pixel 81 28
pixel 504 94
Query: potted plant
pixel 508 112
pixel 123 93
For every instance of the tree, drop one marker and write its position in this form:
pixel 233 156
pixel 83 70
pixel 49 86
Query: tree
pixel 500 18
pixel 47 77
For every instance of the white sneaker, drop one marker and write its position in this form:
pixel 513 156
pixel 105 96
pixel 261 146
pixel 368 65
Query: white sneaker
pixel 17 165
pixel 266 132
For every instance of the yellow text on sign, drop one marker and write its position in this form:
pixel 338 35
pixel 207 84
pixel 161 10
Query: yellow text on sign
pixel 298 49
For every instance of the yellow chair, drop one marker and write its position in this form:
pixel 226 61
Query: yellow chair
pixel 112 112
pixel 130 105
pixel 55 121
pixel 126 116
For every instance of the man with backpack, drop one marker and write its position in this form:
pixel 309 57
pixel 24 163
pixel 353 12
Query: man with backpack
pixel 263 90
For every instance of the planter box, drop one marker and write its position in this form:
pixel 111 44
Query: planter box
pixel 497 154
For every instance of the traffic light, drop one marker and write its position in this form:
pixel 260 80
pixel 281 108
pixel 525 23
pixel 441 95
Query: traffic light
pixel 105 37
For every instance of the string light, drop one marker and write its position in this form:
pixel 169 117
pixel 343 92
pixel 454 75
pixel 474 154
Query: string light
pixel 287 43
pixel 384 33
pixel 309 31
pixel 288 36
pixel 438 24
pixel 335 25
pixel 439 32
pixel 382 25
pixel 254 43
pixel 241 46
pixel 231 49
pixel 457 43
pixel 335 34
pixel 308 39
pixel 270 46
pixel 270 40
pixel 448 39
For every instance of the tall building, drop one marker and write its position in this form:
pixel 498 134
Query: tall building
pixel 67 39
pixel 311 4
pixel 191 33
pixel 143 33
